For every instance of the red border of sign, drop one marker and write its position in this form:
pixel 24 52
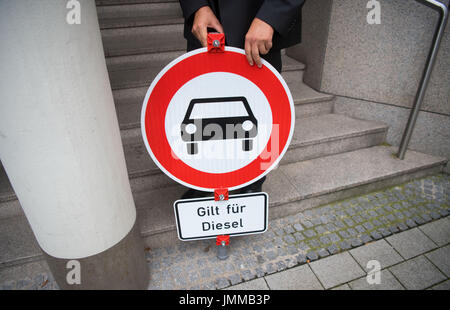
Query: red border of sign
pixel 197 63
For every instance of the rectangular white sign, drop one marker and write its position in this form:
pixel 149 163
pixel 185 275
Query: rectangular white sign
pixel 205 218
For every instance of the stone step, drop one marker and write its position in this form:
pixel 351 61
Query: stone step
pixel 313 137
pixel 137 15
pixel 299 186
pixel 308 101
pixel 140 70
pixel 292 188
pixel 142 40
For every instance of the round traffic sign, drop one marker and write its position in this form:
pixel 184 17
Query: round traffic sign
pixel 210 120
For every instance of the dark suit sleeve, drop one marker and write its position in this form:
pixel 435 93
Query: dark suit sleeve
pixel 280 14
pixel 189 7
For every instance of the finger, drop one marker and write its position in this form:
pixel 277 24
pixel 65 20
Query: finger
pixel 262 48
pixel 217 26
pixel 203 35
pixel 248 53
pixel 268 45
pixel 255 55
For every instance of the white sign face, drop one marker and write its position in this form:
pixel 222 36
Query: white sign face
pixel 218 155
pixel 206 218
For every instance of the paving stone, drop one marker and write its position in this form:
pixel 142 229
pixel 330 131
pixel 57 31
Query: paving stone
pixel 355 242
pixel 376 223
pixel 299 236
pixel 270 268
pixel 316 221
pixel 349 222
pixel 388 209
pixel 444 212
pixel 445 286
pixel 235 279
pixel 380 211
pixel 331 227
pixel 438 231
pixel 417 273
pixel 298 227
pixel 281 266
pixel 352 232
pixel 376 235
pixel 289 239
pixel 380 251
pixel 411 223
pixel 334 237
pixel 441 259
pixel 289 229
pixel 301 259
pixel 303 246
pixel 336 269
pixel 299 278
pixel 255 285
pixel 402 226
pixel 339 224
pixel 394 229
pixel 312 256
pixel 323 253
pixel 360 229
pixel 384 232
pixel 309 233
pixel 324 240
pixel 391 217
pixel 291 262
pixel 333 249
pixel 343 287
pixel 368 226
pixel 345 245
pixel 271 255
pixel 435 215
pixel 321 230
pixel 387 282
pixel 411 243
pixel 419 220
pixel 259 272
pixel 344 234
pixel 365 238
pixel 314 243
pixel 307 224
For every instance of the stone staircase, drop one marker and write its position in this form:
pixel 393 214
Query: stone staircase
pixel 331 156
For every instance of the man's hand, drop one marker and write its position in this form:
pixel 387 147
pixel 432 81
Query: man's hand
pixel 204 18
pixel 258 40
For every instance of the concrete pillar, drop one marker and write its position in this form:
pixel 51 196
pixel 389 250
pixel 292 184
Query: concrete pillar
pixel 60 145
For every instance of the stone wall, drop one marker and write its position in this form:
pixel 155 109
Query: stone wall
pixel 375 70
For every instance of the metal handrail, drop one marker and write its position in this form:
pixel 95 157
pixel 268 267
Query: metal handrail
pixel 426 74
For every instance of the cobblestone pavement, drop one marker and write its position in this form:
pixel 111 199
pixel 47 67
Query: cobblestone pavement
pixel 305 245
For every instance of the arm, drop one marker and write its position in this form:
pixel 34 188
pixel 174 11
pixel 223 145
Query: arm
pixel 280 14
pixel 189 7
pixel 274 15
pixel 203 18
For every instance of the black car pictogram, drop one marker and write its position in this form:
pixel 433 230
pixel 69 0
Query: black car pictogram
pixel 218 119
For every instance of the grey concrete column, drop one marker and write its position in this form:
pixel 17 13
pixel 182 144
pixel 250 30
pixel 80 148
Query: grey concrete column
pixel 61 148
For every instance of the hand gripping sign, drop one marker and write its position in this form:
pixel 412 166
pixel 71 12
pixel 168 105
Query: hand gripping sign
pixel 211 121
